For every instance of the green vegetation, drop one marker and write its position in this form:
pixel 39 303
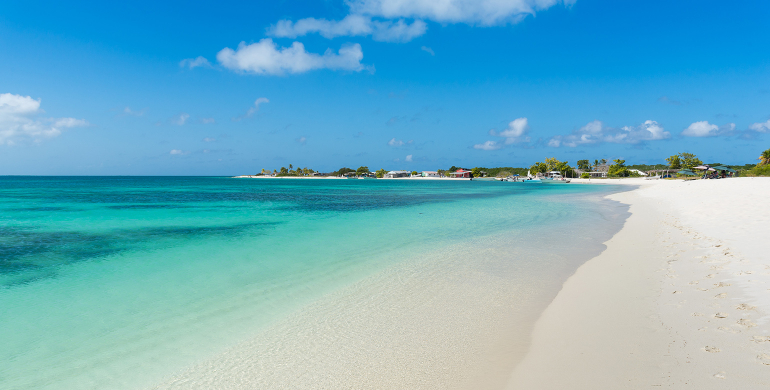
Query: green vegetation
pixel 342 171
pixel 552 164
pixel 584 165
pixel 647 167
pixel 764 158
pixel 761 169
pixel 618 169
pixel 585 175
pixel 683 161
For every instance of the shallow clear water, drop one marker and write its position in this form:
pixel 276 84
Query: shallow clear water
pixel 118 282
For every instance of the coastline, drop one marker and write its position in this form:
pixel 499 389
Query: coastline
pixel 457 317
pixel 680 297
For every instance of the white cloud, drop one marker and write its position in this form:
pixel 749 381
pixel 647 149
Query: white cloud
pixel 207 121
pixel 180 119
pixel 257 102
pixel 176 151
pixel 266 58
pixel 397 142
pixel 428 50
pixel 489 145
pixel 129 111
pixel 192 63
pixel 408 158
pixel 209 139
pixel 705 129
pixel 18 120
pixel 351 25
pixel 474 12
pixel 69 122
pixel 700 129
pixel 760 127
pixel 516 132
pixel 301 140
pixel 595 132
pixel 253 110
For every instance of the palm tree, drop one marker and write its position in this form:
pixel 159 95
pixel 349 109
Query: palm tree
pixel 764 158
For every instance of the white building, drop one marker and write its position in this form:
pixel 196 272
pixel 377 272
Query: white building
pixel 638 172
pixel 394 174
pixel 430 174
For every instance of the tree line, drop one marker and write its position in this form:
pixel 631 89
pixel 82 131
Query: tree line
pixel 619 168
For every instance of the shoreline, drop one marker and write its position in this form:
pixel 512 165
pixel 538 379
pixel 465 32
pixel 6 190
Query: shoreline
pixel 456 317
pixel 680 297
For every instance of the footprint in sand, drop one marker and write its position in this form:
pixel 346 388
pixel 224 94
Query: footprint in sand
pixel 746 322
pixel 711 349
pixel 694 282
pixel 710 276
pixel 697 314
pixel 760 339
pixel 720 295
pixel 720 375
pixel 728 330
pixel 722 284
pixel 764 359
pixel 720 315
pixel 744 306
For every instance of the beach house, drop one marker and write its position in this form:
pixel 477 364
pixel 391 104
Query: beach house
pixel 430 174
pixel 599 171
pixel 461 173
pixel 395 174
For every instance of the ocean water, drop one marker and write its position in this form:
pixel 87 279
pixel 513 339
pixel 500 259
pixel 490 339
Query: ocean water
pixel 122 282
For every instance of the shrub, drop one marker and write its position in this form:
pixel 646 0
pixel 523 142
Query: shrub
pixel 761 170
pixel 585 175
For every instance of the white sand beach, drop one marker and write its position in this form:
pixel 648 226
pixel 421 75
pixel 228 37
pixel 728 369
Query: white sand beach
pixel 679 299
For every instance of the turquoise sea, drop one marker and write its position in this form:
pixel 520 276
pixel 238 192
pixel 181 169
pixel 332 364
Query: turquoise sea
pixel 120 282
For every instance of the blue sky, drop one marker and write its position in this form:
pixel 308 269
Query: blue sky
pixel 103 88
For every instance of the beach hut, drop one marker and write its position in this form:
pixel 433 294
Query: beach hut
pixel 460 173
pixel 429 174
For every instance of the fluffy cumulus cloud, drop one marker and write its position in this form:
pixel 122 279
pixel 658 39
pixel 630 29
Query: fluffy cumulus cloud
pixel 266 58
pixel 408 158
pixel 351 25
pixel 19 120
pixel 705 129
pixel 761 127
pixel 474 12
pixel 596 132
pixel 516 132
pixel 428 50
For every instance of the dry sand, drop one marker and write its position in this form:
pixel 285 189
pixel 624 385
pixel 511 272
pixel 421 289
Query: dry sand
pixel 679 299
